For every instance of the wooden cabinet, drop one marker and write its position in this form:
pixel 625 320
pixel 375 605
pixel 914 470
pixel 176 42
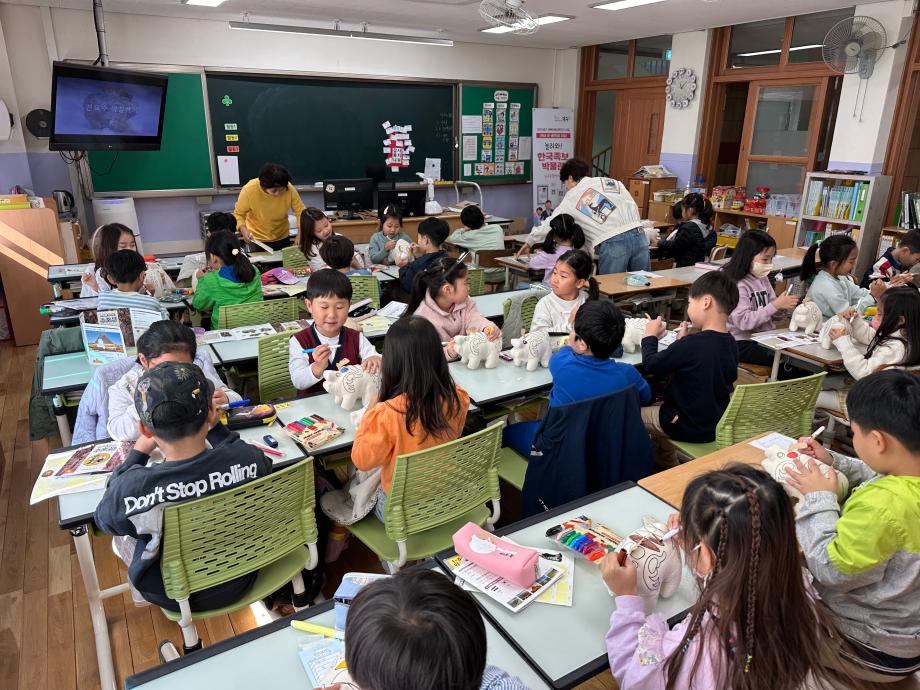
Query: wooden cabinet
pixel 782 229
pixel 30 241
pixel 642 189
pixel 660 212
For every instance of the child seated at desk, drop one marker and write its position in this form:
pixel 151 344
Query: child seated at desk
pixel 419 405
pixel 315 228
pixel 127 269
pixel 896 260
pixel 432 232
pixel 476 235
pixel 231 280
pixel 701 368
pixel 756 623
pixel 338 252
pixel 441 295
pixel 564 235
pixel 107 240
pixel 174 402
pixel 164 341
pixel 865 558
pixel 694 237
pixel 831 287
pixel 571 275
pixel 328 340
pixel 388 234
pixel 417 629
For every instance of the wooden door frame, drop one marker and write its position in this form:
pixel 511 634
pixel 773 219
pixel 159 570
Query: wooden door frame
pixel 620 130
pixel 750 116
pixel 902 125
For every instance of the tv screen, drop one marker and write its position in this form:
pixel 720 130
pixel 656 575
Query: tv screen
pixel 102 108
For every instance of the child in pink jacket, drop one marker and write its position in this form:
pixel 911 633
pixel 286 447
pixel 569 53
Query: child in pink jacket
pixel 756 623
pixel 441 294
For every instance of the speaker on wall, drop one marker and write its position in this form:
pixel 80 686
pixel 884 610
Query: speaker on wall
pixel 38 122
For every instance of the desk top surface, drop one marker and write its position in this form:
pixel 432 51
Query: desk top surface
pixel 614 285
pixel 580 653
pixel 506 381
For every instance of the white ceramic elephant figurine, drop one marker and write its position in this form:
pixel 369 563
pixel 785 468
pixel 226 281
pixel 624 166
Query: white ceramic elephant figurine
pixel 779 463
pixel 635 331
pixel 350 384
pixel 532 350
pixel 658 565
pixel 476 349
pixel 401 252
pixel 829 325
pixel 806 316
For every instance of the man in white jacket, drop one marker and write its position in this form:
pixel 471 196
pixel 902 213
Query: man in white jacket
pixel 607 214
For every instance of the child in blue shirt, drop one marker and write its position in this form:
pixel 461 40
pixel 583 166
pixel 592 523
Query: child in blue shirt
pixel 583 368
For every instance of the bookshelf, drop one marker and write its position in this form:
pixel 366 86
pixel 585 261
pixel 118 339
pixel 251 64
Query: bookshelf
pixel 852 204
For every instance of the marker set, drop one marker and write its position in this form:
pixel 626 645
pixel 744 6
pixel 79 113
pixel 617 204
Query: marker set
pixel 583 536
pixel 314 431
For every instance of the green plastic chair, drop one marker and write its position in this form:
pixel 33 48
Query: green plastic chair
pixel 512 467
pixel 786 407
pixel 292 257
pixel 256 313
pixel 477 281
pixel 528 305
pixel 365 287
pixel 433 494
pixel 267 526
pixel 274 375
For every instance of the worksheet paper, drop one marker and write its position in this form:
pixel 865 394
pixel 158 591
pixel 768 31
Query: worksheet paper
pixel 471 124
pixel 228 169
pixel 470 148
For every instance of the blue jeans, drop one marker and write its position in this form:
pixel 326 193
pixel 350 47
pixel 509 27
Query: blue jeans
pixel 381 503
pixel 627 251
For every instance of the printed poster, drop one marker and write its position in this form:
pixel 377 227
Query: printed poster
pixel 470 148
pixel 553 143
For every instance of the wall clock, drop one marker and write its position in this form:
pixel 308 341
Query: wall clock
pixel 681 87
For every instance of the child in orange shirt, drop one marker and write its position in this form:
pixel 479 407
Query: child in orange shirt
pixel 419 405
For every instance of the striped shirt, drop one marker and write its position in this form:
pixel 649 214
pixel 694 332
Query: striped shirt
pixel 116 299
pixel 496 679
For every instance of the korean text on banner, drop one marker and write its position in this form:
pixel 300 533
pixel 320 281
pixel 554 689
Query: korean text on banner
pixel 553 145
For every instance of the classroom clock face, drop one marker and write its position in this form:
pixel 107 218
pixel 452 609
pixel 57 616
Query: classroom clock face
pixel 680 88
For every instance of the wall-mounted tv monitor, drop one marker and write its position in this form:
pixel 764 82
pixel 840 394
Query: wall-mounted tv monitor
pixel 97 108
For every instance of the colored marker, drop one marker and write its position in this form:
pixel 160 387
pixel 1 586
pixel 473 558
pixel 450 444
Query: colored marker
pixel 305 626
pixel 269 451
pixel 236 403
pixel 310 350
pixel 671 534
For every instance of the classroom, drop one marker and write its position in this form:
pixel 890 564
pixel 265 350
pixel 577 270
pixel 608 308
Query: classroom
pixel 469 344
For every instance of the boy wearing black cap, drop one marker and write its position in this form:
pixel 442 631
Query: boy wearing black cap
pixel 173 402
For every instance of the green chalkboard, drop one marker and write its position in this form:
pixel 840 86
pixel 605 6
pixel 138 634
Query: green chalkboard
pixel 500 120
pixel 184 159
pixel 323 129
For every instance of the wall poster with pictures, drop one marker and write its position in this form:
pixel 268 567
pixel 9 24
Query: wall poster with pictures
pixel 496 130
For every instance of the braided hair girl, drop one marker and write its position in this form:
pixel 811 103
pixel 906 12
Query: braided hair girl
pixel 756 623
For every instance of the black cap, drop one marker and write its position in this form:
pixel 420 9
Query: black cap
pixel 180 383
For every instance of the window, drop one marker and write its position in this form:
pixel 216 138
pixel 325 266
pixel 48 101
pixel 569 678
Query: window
pixel 808 33
pixel 782 120
pixel 613 60
pixel 652 57
pixel 756 44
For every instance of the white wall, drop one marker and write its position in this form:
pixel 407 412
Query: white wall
pixel 860 141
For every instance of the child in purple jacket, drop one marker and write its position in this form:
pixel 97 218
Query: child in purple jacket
pixel 756 624
pixel 758 306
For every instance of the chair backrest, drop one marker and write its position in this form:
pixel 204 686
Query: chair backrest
pixel 255 313
pixel 786 407
pixel 718 252
pixel 365 287
pixel 477 281
pixel 292 257
pixel 662 264
pixel 485 258
pixel 220 537
pixel 274 374
pixel 434 486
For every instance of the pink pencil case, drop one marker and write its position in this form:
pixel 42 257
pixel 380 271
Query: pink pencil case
pixel 515 563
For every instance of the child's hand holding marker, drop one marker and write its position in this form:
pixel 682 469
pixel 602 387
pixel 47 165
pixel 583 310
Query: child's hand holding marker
pixel 619 573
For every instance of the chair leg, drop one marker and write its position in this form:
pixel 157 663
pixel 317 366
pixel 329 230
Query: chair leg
pixel 403 555
pixel 496 514
pixel 299 597
pixel 190 640
pixel 389 567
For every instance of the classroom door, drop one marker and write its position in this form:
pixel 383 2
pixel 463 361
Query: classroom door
pixel 638 128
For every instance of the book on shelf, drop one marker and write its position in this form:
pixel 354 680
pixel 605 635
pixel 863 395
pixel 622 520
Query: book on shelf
pixel 845 200
pixel 910 211
pixel 824 229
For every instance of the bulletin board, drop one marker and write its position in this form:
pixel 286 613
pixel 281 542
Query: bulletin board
pixel 496 132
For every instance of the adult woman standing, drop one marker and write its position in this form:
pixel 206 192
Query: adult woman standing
pixel 262 208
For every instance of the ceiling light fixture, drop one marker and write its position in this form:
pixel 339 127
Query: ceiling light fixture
pixel 342 33
pixel 542 21
pixel 204 3
pixel 777 50
pixel 624 4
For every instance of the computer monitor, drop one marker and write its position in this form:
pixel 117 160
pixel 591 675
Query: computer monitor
pixel 410 201
pixel 349 196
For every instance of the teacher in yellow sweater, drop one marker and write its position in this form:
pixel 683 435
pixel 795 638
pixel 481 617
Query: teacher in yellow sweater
pixel 262 208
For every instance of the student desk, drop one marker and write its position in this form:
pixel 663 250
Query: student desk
pixel 245 661
pixel 361 230
pixel 506 381
pixel 514 264
pixel 813 355
pixel 76 515
pixel 566 644
pixel 669 485
pixel 614 285
pixel 787 260
pixel 57 320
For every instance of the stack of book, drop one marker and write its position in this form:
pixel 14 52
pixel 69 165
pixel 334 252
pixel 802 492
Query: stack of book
pixel 844 201
pixel 910 210
pixel 14 201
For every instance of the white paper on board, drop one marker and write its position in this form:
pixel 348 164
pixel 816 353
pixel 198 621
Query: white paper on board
pixel 433 168
pixel 228 169
pixel 386 125
pixel 525 150
pixel 408 128
pixel 469 147
pixel 471 124
pixel 467 169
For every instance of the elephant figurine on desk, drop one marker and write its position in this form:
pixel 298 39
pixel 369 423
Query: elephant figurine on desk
pixel 350 384
pixel 635 331
pixel 806 316
pixel 778 463
pixel 657 561
pixel 533 350
pixel 476 349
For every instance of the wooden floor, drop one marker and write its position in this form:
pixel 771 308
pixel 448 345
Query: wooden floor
pixel 46 638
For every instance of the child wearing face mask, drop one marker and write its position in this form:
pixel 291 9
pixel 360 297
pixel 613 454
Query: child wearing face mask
pixel 758 306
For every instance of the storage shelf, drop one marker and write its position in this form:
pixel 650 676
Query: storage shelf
pixel 839 221
pixel 748 214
